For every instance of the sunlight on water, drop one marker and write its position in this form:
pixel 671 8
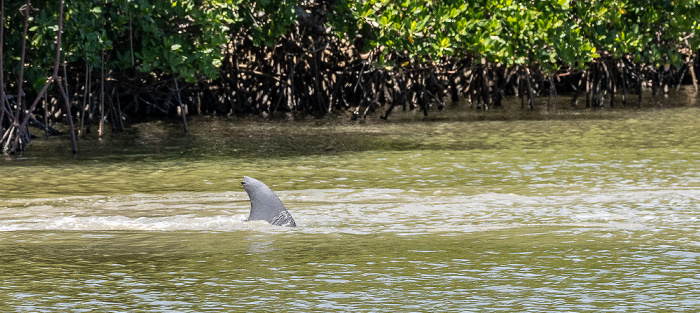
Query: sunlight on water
pixel 361 212
pixel 513 216
pixel 355 250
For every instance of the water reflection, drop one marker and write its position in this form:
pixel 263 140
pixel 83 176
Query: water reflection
pixel 369 250
pixel 513 216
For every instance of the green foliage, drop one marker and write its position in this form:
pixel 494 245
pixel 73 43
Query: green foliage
pixel 184 37
pixel 548 33
pixel 266 20
pixel 189 38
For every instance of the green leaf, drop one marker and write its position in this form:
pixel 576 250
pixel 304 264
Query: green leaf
pixel 39 83
pixel 445 42
pixel 384 21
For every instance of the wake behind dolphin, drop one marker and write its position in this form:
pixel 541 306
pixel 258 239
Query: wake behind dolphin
pixel 265 205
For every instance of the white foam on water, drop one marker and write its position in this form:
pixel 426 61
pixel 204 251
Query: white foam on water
pixel 361 211
pixel 168 223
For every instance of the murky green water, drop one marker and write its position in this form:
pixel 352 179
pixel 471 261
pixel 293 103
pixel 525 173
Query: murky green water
pixel 566 212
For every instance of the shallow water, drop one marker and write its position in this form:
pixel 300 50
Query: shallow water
pixel 579 213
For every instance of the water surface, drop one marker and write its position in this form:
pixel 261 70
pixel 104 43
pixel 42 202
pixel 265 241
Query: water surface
pixel 579 213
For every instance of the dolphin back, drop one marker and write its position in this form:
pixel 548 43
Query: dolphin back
pixel 265 205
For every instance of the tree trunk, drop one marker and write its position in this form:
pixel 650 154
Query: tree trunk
pixel 530 90
pixel 612 72
pixel 691 63
pixel 17 130
pixel 582 83
pixel 624 82
pixel 52 79
pixel 183 110
pixel 640 81
pixel 2 67
pixel 101 129
pixel 85 98
pixel 485 93
pixel 589 86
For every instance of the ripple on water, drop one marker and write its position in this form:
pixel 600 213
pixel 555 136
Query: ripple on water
pixel 364 211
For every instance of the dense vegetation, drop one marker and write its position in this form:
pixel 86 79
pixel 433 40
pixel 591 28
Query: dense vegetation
pixel 105 60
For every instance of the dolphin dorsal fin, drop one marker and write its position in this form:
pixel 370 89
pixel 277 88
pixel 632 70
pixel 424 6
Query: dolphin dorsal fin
pixel 265 205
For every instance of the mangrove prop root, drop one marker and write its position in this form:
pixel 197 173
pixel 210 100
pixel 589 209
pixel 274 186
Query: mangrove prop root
pixel 308 70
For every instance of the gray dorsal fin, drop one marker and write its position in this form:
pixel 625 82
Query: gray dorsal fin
pixel 265 205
